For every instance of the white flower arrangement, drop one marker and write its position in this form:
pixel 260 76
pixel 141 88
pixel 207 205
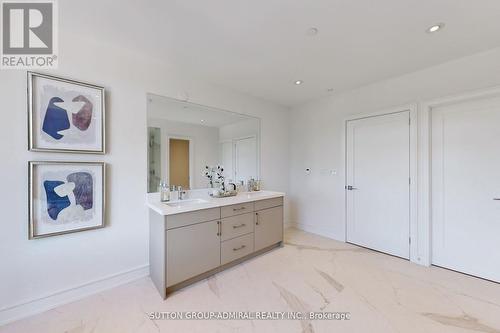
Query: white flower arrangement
pixel 215 176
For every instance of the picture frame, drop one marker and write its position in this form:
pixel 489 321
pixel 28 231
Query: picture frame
pixel 66 197
pixel 65 115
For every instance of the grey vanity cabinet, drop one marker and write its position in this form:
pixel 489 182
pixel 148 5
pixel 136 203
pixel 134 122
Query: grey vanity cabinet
pixel 187 247
pixel 192 250
pixel 268 227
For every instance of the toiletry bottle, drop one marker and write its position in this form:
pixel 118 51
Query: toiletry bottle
pixel 164 192
pixel 257 185
pixel 250 185
pixel 240 186
pixel 174 193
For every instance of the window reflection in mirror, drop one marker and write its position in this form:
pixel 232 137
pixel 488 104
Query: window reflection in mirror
pixel 184 138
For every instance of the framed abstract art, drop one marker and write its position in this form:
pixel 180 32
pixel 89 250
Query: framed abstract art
pixel 65 197
pixel 65 115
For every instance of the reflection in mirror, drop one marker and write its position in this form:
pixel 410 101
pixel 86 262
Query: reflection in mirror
pixel 184 138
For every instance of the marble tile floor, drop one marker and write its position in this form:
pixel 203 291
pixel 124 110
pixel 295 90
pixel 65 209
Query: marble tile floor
pixel 310 273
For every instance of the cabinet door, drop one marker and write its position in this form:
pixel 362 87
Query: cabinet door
pixel 268 227
pixel 192 250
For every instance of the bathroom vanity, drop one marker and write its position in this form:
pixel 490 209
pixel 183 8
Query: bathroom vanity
pixel 192 239
pixel 197 147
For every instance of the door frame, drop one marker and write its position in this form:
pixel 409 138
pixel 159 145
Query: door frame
pixel 413 111
pixel 424 250
pixel 191 157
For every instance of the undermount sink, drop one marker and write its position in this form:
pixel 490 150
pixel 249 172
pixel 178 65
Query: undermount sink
pixel 186 202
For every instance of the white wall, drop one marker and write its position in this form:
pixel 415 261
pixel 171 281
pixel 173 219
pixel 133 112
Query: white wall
pixel 317 200
pixel 239 130
pixel 33 270
pixel 205 144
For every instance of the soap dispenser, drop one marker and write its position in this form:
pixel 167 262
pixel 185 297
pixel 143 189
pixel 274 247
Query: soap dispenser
pixel 164 192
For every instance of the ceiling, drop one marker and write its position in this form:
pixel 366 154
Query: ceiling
pixel 160 107
pixel 260 47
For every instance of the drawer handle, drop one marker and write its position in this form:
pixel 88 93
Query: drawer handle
pixel 239 248
pixel 239 226
pixel 256 218
pixel 238 209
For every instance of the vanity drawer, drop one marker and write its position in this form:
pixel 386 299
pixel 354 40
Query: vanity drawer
pixel 237 209
pixel 236 248
pixel 183 219
pixel 268 203
pixel 238 225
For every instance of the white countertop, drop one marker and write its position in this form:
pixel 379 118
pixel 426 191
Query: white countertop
pixel 162 208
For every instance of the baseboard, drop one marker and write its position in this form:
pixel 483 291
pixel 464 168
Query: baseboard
pixel 35 306
pixel 320 231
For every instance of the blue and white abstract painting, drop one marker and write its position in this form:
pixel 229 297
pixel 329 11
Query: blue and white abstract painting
pixel 68 201
pixel 67 196
pixel 66 116
pixel 56 121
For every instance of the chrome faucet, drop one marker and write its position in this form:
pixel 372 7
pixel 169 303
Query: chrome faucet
pixel 181 192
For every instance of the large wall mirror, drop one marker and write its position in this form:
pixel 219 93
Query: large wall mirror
pixel 184 138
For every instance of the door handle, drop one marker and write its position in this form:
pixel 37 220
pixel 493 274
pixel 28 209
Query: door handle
pixel 496 199
pixel 350 188
pixel 256 218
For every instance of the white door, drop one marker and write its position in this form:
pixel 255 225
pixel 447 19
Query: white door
pixel 245 158
pixel 226 158
pixel 465 186
pixel 378 191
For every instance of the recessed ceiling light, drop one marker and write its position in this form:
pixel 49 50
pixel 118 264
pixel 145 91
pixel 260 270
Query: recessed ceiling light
pixel 312 31
pixel 435 28
pixel 299 82
pixel 203 120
